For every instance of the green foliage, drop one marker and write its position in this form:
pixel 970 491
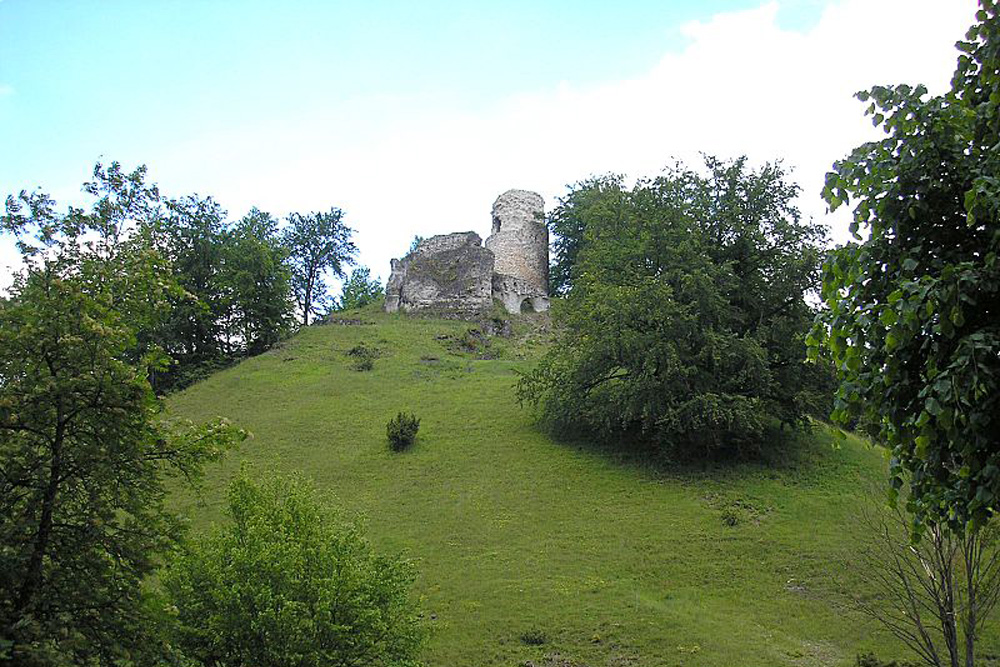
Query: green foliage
pixel 363 356
pixel 476 341
pixel 685 318
pixel 84 449
pixel 587 205
pixel 935 595
pixel 512 530
pixel 189 235
pixel 402 431
pixel 871 660
pixel 236 288
pixel 317 243
pixel 257 283
pixel 740 512
pixel 226 287
pixel 364 364
pixel 359 290
pixel 284 582
pixel 533 637
pixel 913 311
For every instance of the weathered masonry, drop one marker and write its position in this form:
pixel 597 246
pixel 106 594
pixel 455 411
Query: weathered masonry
pixel 455 273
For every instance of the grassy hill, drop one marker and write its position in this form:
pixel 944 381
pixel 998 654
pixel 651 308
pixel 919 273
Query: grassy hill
pixel 533 551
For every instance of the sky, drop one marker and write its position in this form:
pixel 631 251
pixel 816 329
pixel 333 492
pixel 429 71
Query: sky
pixel 412 117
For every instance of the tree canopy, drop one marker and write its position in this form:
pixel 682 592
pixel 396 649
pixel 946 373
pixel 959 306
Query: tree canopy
pixel 685 314
pixel 359 290
pixel 285 583
pixel 235 297
pixel 257 283
pixel 84 447
pixel 189 235
pixel 317 243
pixel 913 310
pixel 108 299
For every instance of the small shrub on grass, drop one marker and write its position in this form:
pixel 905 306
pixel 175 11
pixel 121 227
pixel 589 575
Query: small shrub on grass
pixel 731 517
pixel 740 512
pixel 533 637
pixel 363 364
pixel 871 660
pixel 402 431
pixel 475 341
pixel 363 357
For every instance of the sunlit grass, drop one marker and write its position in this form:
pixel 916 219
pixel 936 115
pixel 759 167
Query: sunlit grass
pixel 605 560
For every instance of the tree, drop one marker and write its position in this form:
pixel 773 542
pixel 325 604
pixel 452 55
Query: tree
pixel 317 243
pixel 236 288
pixel 590 201
pixel 190 237
pixel 284 583
pixel 937 595
pixel 257 281
pixel 359 290
pixel 685 318
pixel 83 446
pixel 913 310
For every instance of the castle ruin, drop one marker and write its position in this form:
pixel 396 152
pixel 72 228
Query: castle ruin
pixel 456 273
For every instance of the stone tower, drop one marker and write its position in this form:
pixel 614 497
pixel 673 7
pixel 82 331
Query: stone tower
pixel 520 244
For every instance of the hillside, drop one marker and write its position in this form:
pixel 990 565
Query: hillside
pixel 530 549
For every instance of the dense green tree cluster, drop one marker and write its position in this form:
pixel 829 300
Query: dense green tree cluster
pixel 105 298
pixel 913 310
pixel 241 281
pixel 685 311
pixel 236 284
pixel 84 450
pixel 235 287
pixel 684 326
pixel 258 283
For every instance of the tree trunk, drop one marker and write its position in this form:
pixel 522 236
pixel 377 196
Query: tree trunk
pixel 33 574
pixel 307 302
pixel 971 554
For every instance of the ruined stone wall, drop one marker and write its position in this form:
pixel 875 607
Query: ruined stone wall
pixel 518 296
pixel 451 272
pixel 455 273
pixel 520 239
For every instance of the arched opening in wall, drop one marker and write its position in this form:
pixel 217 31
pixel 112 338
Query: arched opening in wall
pixel 540 304
pixel 496 224
pixel 526 306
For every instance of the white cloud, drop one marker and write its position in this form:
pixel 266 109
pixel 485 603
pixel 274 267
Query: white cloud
pixel 742 85
pixel 6 89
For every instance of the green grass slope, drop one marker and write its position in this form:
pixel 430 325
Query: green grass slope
pixel 537 552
